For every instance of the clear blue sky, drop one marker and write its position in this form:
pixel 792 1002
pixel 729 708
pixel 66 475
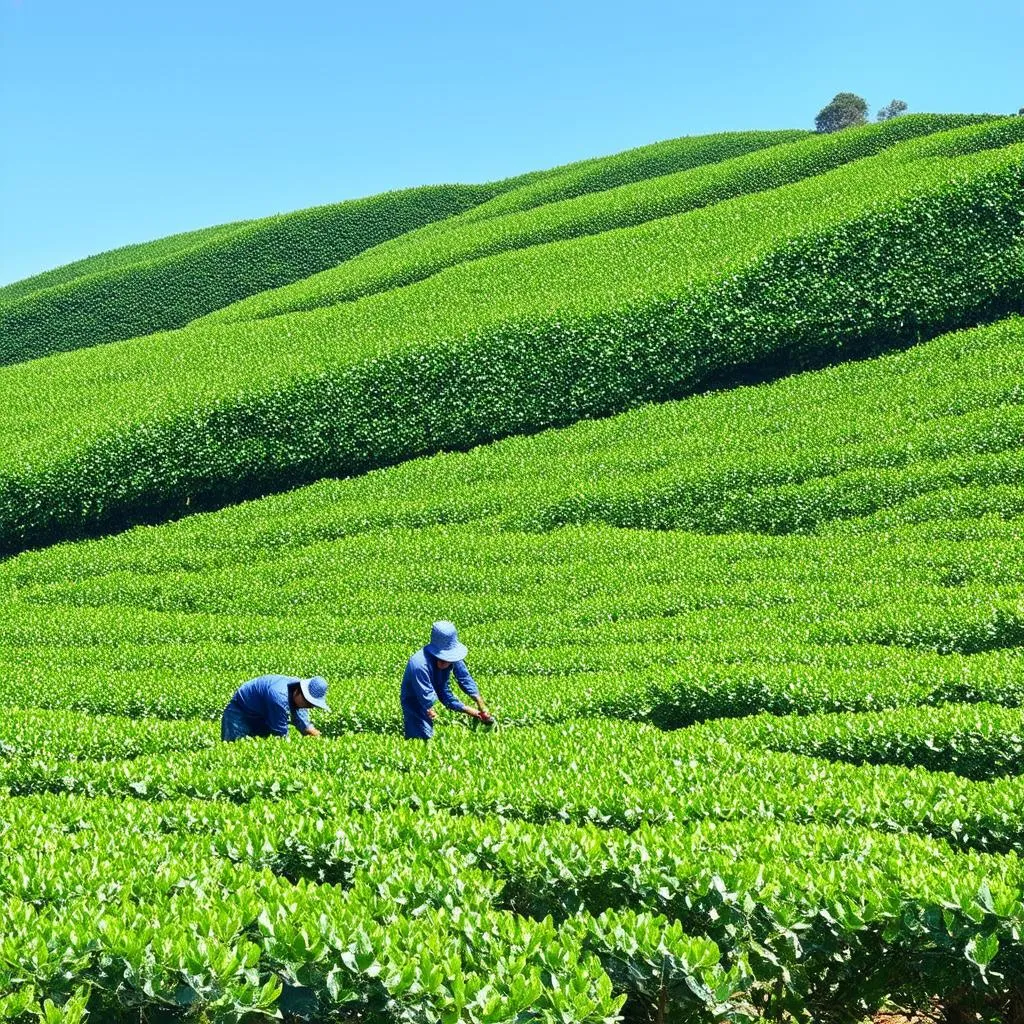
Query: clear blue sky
pixel 126 120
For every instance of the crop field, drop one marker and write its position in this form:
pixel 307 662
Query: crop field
pixel 168 283
pixel 712 451
pixel 920 238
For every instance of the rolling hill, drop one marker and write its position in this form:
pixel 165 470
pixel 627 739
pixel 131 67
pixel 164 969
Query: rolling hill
pixel 920 238
pixel 712 450
pixel 166 284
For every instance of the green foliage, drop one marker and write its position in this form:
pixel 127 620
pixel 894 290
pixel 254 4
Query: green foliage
pixel 905 437
pixel 844 110
pixel 37 735
pixel 309 904
pixel 894 108
pixel 702 639
pixel 166 284
pixel 634 165
pixel 884 250
pixel 978 741
pixel 116 259
pixel 422 253
pixel 837 556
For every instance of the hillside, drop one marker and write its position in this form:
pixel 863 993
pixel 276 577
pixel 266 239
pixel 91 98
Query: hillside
pixel 599 824
pixel 920 238
pixel 166 284
pixel 907 439
pixel 116 259
pixel 714 456
pixel 459 239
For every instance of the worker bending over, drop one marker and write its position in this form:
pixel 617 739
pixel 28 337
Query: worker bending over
pixel 264 707
pixel 428 679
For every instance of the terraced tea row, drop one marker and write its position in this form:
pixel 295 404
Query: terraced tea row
pixel 165 284
pixel 419 254
pixel 628 776
pixel 69 737
pixel 511 343
pixel 217 910
pixel 903 438
pixel 978 741
pixel 551 620
pixel 652 161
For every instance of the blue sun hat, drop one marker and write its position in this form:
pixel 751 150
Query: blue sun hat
pixel 444 643
pixel 314 690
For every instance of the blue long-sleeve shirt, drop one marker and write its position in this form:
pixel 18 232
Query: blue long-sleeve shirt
pixel 424 683
pixel 264 704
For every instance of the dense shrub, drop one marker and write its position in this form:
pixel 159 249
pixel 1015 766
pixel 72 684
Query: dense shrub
pixel 419 254
pixel 164 286
pixel 880 252
pixel 977 741
pixel 116 259
pixel 272 888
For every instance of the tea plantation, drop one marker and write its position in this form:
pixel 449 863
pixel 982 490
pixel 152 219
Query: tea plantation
pixel 712 450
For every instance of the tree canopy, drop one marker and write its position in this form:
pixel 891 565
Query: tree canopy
pixel 892 109
pixel 846 110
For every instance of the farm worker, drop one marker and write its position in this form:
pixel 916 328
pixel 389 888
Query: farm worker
pixel 264 707
pixel 428 678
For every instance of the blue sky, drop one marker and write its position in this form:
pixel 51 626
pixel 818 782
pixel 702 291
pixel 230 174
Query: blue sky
pixel 126 120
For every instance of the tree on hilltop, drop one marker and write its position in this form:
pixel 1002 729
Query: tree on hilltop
pixel 846 110
pixel 892 109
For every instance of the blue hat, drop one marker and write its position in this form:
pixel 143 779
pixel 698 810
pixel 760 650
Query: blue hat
pixel 444 643
pixel 314 690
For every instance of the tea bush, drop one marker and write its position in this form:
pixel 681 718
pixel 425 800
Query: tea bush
pixel 469 236
pixel 756 657
pixel 304 903
pixel 510 344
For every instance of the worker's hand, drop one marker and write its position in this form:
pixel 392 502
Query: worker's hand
pixel 312 731
pixel 431 714
pixel 487 718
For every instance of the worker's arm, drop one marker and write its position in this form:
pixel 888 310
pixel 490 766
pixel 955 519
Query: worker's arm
pixel 448 699
pixel 466 682
pixel 468 686
pixel 300 719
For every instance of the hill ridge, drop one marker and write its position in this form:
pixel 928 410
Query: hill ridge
pixel 167 292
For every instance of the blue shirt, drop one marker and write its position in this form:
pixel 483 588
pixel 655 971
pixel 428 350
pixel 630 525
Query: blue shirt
pixel 424 683
pixel 264 705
